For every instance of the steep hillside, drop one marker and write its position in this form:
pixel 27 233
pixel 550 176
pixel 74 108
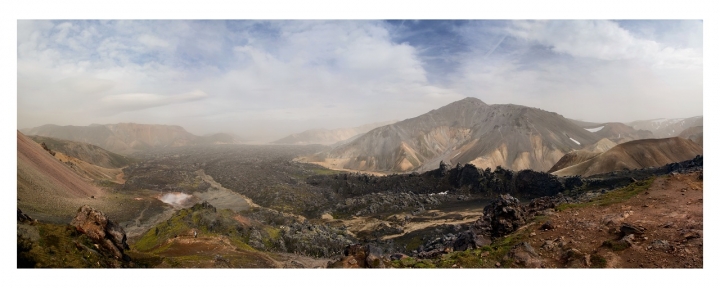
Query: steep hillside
pixel 636 155
pixel 51 191
pixel 662 128
pixel 44 182
pixel 466 131
pixel 695 134
pixel 328 137
pixel 86 152
pixel 618 132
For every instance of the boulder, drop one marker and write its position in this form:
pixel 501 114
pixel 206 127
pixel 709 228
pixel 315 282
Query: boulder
pixel 548 226
pixel 627 229
pixel 504 215
pixel 103 231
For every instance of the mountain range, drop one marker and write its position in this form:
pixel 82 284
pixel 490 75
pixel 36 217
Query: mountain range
pixel 127 138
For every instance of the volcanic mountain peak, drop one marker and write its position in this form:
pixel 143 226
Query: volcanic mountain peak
pixel 465 131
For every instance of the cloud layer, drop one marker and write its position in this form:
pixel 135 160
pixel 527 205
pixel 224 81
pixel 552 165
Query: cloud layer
pixel 266 79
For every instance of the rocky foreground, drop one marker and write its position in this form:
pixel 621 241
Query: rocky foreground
pixel 655 223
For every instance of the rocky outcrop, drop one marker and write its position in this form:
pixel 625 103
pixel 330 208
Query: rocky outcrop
pixel 103 231
pixel 502 216
pixel 22 217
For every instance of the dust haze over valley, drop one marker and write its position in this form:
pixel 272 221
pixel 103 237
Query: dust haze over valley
pixel 360 144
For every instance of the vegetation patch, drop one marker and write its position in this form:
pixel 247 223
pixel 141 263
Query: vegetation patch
pixel 597 261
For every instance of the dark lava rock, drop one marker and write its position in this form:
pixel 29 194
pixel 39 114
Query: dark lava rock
pixel 22 217
pixel 504 215
pixel 103 231
pixel 398 256
pixel 540 204
pixel 469 240
pixel 548 226
pixel 627 229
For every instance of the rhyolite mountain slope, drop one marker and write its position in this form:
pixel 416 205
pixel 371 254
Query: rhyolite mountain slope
pixel 465 131
pixel 663 128
pixel 328 137
pixel 636 154
pixel 127 138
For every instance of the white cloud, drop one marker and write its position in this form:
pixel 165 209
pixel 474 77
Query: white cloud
pixel 604 40
pixel 141 101
pixel 271 78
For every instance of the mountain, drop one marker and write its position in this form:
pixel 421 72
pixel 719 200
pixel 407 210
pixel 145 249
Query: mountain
pixel 663 128
pixel 584 124
pixel 618 132
pixel 582 155
pixel 465 131
pixel 86 152
pixel 636 155
pixel 695 134
pixel 329 137
pixel 127 138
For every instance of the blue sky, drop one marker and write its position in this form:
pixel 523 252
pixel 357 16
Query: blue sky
pixel 266 79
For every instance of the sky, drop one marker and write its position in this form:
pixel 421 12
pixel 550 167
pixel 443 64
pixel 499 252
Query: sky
pixel 264 80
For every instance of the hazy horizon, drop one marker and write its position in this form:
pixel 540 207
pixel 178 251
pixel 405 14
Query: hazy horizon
pixel 264 80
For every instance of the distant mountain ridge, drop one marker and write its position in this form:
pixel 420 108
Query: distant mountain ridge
pixel 127 138
pixel 328 137
pixel 465 131
pixel 663 128
pixel 618 132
